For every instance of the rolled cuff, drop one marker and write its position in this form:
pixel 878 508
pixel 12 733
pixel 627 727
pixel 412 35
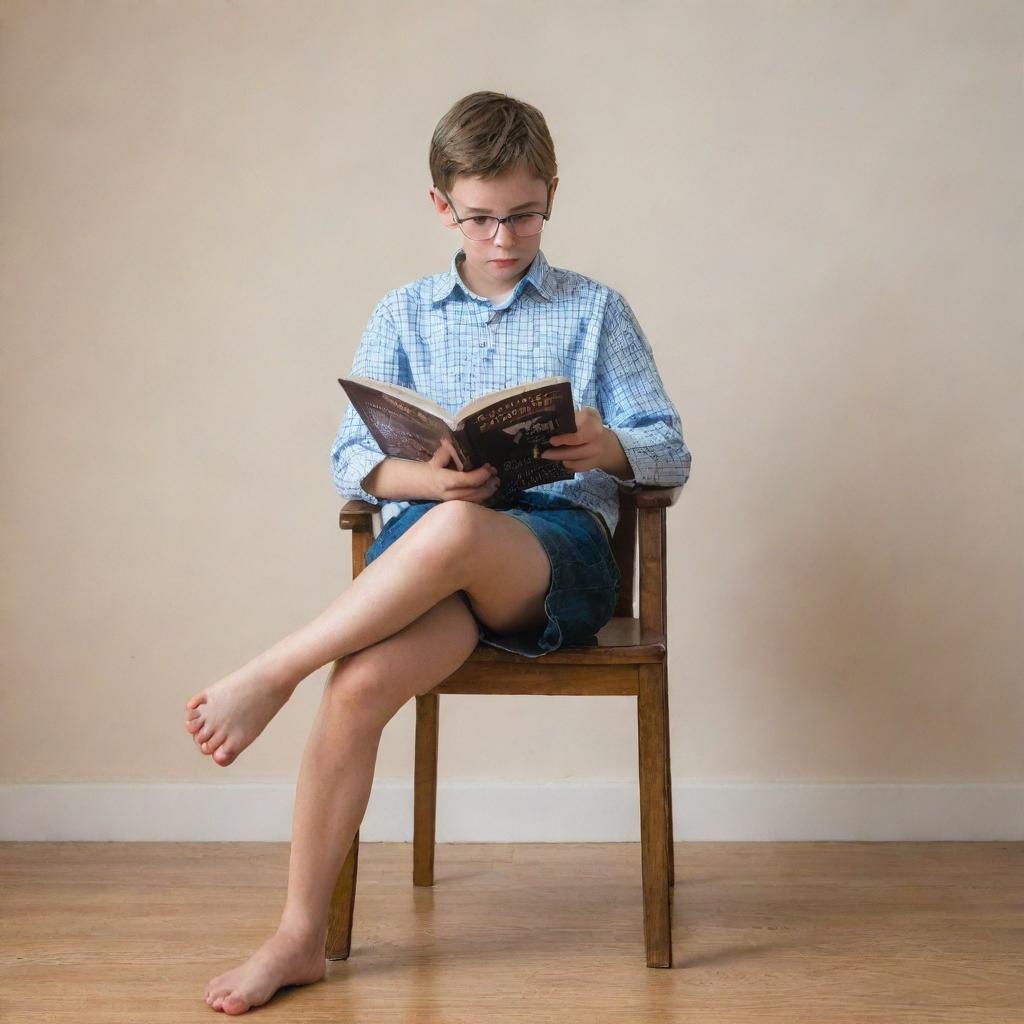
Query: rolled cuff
pixel 654 458
pixel 361 464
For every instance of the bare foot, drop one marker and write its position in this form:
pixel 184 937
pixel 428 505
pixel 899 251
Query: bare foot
pixel 281 960
pixel 226 717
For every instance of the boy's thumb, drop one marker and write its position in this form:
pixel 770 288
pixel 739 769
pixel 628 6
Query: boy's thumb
pixel 443 455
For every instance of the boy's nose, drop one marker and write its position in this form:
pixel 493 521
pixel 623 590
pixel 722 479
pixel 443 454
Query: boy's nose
pixel 509 236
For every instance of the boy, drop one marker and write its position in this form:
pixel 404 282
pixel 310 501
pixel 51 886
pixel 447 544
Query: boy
pixel 528 577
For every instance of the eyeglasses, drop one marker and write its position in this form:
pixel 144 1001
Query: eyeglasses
pixel 480 228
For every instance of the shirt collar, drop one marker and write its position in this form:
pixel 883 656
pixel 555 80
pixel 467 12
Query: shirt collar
pixel 539 275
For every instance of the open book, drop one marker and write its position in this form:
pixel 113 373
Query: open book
pixel 508 429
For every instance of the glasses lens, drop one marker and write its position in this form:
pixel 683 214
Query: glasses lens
pixel 526 224
pixel 479 228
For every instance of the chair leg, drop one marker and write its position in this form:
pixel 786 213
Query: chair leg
pixel 668 793
pixel 651 734
pixel 425 789
pixel 339 916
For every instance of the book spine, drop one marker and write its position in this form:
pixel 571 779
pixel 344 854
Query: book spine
pixel 463 444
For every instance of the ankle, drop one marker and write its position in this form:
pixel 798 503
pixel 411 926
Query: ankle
pixel 277 669
pixel 310 936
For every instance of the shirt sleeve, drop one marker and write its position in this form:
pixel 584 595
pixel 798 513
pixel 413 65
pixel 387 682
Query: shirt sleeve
pixel 633 402
pixel 355 453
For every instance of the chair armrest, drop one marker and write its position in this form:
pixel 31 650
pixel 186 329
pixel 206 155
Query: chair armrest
pixel 357 515
pixel 650 496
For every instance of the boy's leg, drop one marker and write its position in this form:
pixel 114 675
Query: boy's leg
pixel 362 694
pixel 457 546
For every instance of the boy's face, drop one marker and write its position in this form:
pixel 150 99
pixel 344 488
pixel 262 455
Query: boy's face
pixel 515 191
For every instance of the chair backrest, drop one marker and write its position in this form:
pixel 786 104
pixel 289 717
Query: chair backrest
pixel 624 549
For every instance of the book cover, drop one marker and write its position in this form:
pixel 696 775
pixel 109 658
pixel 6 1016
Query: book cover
pixel 507 428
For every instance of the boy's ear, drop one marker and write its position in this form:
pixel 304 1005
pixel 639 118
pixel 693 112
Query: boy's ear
pixel 442 207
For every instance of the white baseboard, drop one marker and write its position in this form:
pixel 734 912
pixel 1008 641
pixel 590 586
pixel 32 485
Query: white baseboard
pixel 522 812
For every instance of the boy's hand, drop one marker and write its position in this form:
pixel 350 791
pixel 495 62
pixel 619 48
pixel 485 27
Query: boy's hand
pixel 450 484
pixel 585 448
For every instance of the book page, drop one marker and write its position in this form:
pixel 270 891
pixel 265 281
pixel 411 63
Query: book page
pixel 499 396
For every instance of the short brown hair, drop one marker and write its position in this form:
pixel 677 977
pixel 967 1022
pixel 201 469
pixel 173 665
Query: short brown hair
pixel 486 133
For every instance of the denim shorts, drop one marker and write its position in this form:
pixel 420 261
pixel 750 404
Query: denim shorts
pixel 585 578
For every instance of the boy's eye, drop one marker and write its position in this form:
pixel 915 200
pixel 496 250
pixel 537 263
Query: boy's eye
pixel 480 220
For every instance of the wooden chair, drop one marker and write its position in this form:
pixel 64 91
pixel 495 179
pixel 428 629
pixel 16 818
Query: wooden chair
pixel 631 659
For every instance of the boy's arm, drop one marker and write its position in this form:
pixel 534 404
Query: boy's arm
pixel 400 479
pixel 355 455
pixel 646 445
pixel 616 463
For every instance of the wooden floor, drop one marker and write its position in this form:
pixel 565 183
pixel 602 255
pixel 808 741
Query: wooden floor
pixel 765 932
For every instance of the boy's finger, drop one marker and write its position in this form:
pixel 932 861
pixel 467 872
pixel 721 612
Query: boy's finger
pixel 446 454
pixel 469 493
pixel 452 454
pixel 478 476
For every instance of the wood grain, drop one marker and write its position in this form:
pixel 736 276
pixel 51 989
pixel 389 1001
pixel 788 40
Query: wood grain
pixel 829 933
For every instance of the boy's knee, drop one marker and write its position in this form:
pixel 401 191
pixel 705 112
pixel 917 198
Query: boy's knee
pixel 451 530
pixel 453 515
pixel 354 685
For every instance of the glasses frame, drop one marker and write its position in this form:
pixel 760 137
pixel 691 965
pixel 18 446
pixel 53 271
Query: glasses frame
pixel 499 220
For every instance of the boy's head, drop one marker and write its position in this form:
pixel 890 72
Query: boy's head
pixel 492 156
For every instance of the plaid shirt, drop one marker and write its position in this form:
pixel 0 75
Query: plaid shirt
pixel 437 337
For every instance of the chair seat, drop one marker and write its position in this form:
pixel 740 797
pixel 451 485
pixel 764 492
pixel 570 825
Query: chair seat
pixel 619 642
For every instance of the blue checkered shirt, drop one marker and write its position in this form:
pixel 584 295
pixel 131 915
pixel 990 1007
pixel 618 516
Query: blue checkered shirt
pixel 437 337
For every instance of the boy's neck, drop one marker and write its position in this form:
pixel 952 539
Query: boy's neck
pixel 487 290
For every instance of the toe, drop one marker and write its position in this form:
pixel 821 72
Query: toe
pixel 194 702
pixel 224 755
pixel 210 746
pixel 217 988
pixel 218 995
pixel 234 1004
pixel 194 724
pixel 205 733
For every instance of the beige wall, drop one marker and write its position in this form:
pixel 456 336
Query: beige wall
pixel 815 211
